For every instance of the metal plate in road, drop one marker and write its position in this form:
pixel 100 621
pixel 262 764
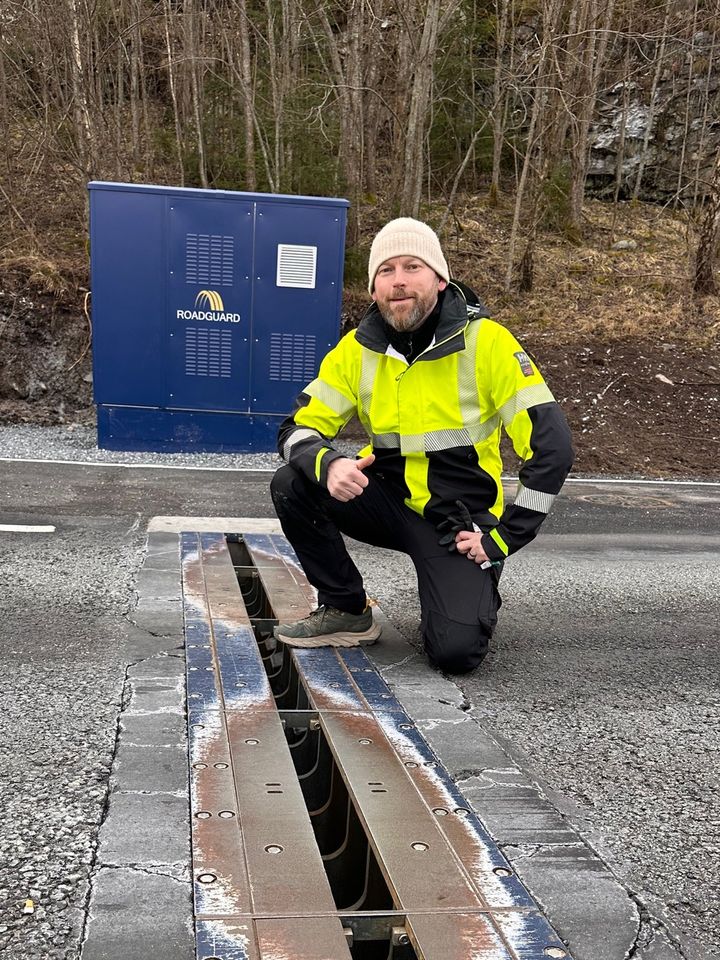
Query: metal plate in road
pixel 419 866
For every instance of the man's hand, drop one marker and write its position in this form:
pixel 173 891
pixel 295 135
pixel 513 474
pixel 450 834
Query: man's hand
pixel 345 477
pixel 470 544
pixel 461 534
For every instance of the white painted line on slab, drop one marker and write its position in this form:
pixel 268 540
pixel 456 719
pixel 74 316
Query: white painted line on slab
pixel 139 466
pixel 214 525
pixel 25 528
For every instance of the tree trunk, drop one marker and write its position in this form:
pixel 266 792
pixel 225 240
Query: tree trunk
pixel 591 64
pixel 172 83
pixel 708 240
pixel 660 57
pixel 499 95
pixel 83 123
pixel 417 115
pixel 192 53
pixel 247 97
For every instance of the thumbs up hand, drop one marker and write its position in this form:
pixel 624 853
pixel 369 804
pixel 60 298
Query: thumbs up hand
pixel 345 477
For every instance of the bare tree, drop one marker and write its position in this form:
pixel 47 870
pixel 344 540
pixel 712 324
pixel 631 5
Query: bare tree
pixel 705 282
pixel 652 107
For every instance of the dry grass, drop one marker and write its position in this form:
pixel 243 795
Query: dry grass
pixel 585 288
pixel 38 273
pixel 582 289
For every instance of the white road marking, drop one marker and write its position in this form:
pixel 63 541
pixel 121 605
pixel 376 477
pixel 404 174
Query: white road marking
pixel 139 466
pixel 25 528
pixel 506 479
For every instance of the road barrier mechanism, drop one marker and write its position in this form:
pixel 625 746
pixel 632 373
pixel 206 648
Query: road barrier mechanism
pixel 323 825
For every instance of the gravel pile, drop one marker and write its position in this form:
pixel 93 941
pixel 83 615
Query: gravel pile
pixel 76 442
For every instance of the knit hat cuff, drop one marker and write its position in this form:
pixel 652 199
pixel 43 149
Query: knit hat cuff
pixel 406 237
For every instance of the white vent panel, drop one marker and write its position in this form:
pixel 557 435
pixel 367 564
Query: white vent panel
pixel 296 266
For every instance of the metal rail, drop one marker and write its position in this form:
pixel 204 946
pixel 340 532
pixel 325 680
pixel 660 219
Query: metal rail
pixel 323 825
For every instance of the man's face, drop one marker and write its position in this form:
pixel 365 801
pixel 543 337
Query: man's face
pixel 406 291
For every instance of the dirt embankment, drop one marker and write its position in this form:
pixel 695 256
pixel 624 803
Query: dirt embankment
pixel 633 360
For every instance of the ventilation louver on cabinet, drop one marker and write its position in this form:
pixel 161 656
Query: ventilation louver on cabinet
pixel 292 357
pixel 208 353
pixel 209 259
pixel 296 266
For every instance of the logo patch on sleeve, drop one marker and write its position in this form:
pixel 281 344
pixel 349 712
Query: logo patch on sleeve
pixel 524 360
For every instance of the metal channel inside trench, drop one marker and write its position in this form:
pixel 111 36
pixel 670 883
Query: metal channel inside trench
pixel 323 825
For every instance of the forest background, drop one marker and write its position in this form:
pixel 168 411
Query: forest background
pixel 568 153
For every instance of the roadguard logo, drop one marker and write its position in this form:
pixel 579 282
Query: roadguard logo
pixel 209 306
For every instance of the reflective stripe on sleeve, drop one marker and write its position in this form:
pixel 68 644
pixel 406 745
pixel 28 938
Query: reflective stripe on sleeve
pixel 302 433
pixel 368 369
pixel 318 461
pixel 524 399
pixel 332 398
pixel 534 499
pixel 499 541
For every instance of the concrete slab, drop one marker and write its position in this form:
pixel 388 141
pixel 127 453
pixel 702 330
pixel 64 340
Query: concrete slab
pixel 134 913
pixel 587 906
pixel 147 830
pixel 171 524
pixel 163 618
pixel 153 584
pixel 138 767
pixel 158 667
pixel 153 729
pixel 155 695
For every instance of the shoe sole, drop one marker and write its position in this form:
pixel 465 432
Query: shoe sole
pixel 340 639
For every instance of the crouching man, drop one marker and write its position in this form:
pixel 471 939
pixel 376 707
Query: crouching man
pixel 432 381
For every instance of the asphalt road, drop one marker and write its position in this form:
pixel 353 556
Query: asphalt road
pixel 603 677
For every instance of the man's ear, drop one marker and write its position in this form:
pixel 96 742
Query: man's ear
pixel 442 283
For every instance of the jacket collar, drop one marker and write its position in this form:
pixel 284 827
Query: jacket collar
pixel 448 335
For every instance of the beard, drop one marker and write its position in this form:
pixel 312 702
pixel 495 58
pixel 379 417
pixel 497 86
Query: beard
pixel 406 320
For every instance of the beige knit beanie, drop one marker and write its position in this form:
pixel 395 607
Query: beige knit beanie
pixel 406 238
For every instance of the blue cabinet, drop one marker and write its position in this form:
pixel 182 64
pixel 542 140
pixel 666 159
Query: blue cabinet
pixel 211 310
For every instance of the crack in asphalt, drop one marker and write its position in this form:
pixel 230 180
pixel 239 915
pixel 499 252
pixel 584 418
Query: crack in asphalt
pixel 104 813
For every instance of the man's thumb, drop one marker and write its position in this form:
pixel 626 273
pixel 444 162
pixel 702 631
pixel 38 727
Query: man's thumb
pixel 365 461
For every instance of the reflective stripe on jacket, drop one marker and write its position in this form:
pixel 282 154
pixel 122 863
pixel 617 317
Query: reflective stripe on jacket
pixel 434 425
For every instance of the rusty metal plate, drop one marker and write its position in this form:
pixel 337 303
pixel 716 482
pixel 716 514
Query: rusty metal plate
pixel 302 938
pixel 193 581
pixel 371 685
pixel 285 584
pixel 284 863
pixel 203 687
pixel 530 936
pixel 491 873
pixel 220 939
pixel 220 881
pixel 465 936
pixel 245 683
pixel 327 681
pixel 223 593
pixel 418 864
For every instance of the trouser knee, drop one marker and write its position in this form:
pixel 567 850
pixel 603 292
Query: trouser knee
pixel 455 647
pixel 289 491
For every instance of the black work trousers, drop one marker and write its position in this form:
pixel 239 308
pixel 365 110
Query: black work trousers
pixel 458 600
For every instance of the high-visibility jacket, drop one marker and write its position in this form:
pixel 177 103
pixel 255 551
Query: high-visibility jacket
pixel 434 425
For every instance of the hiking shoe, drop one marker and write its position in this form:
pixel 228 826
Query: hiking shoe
pixel 328 627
